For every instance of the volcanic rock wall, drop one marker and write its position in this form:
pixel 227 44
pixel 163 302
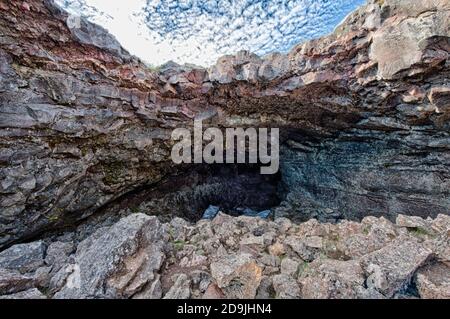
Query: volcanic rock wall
pixel 364 115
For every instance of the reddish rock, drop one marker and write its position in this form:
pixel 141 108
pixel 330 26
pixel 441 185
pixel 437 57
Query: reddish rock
pixel 213 292
pixel 433 281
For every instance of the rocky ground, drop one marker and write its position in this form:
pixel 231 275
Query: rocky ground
pixel 85 161
pixel 234 257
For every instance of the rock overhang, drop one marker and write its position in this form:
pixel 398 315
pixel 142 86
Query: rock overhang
pixel 351 111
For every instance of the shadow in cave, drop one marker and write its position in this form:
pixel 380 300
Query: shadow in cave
pixel 190 189
pixel 231 187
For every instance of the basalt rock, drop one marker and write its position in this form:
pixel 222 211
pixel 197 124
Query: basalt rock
pixel 364 118
pixel 433 281
pixel 28 294
pixel 23 257
pixel 138 257
pixel 117 261
pixel 11 281
pixel 237 275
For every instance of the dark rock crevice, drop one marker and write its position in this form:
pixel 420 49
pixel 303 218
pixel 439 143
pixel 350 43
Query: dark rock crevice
pixel 195 187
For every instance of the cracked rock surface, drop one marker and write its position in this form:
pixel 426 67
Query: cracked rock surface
pixel 359 208
pixel 237 257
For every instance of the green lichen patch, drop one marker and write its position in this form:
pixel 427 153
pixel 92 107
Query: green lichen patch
pixel 113 172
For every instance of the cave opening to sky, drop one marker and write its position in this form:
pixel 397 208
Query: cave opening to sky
pixel 199 31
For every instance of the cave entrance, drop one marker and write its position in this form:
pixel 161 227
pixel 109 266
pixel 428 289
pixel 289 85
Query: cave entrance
pixel 236 189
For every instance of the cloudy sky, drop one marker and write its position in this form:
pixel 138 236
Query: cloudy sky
pixel 199 31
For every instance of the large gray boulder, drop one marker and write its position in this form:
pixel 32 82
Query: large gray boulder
pixel 117 261
pixel 237 275
pixel 23 257
pixel 391 269
pixel 327 278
